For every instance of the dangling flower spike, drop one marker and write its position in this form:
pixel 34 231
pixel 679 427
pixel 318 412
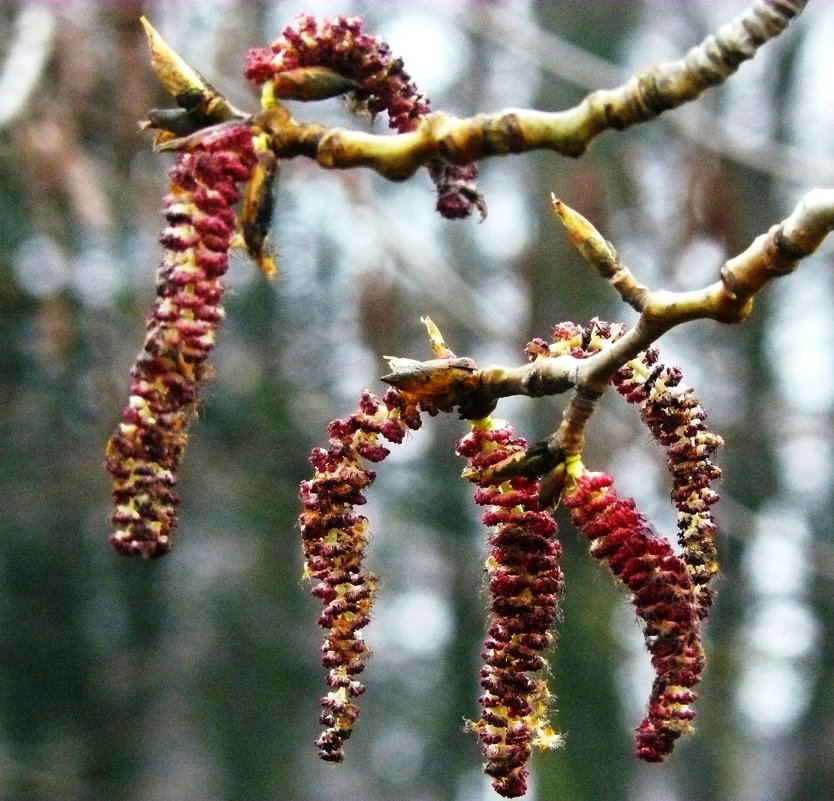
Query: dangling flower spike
pixel 144 454
pixel 678 422
pixel 663 598
pixel 524 582
pixel 334 537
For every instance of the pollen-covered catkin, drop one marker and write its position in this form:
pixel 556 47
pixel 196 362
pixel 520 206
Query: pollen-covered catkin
pixel 143 455
pixel 334 538
pixel 524 582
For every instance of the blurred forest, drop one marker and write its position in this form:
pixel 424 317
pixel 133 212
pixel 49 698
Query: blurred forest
pixel 198 676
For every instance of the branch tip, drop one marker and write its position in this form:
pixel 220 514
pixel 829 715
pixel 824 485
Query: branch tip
pixel 583 235
pixel 175 75
pixel 438 345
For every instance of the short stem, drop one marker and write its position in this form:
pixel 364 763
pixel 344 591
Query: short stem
pixel 570 436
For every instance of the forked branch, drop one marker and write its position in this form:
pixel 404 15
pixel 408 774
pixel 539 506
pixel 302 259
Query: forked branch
pixel 728 300
pixel 226 155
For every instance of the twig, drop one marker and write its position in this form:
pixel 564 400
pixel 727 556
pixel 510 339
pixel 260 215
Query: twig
pixel 461 141
pixel 727 300
pixel 555 55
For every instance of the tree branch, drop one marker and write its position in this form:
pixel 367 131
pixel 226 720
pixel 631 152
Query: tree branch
pixel 461 141
pixel 448 382
pixel 727 300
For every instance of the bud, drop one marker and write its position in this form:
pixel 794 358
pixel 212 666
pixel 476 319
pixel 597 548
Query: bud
pixel 203 104
pixel 311 83
pixel 258 208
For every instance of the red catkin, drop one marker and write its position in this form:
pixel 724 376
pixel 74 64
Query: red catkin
pixel 334 538
pixel 524 581
pixel 143 456
pixel 663 597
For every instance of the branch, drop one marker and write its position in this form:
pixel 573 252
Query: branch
pixel 556 56
pixel 727 300
pixel 461 141
pixel 437 137
pixel 429 139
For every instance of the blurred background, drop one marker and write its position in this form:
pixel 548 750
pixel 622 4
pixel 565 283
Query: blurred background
pixel 198 676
